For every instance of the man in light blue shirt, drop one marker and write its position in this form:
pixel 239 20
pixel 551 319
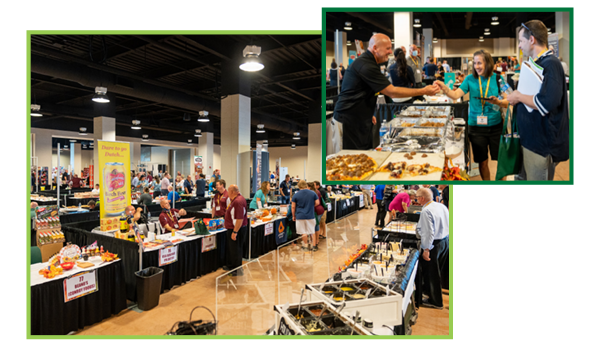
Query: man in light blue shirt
pixel 434 229
pixel 366 190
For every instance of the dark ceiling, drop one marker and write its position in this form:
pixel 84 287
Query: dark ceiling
pixel 160 79
pixel 446 25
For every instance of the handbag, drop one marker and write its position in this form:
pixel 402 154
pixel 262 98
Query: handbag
pixel 196 327
pixel 200 228
pixel 510 157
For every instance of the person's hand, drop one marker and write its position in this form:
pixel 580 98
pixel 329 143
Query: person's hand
pixel 494 100
pixel 426 255
pixel 431 90
pixel 233 236
pixel 294 218
pixel 441 85
pixel 139 209
pixel 514 98
pixel 182 212
pixel 374 120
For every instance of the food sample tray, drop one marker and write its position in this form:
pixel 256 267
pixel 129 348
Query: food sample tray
pixel 422 132
pixel 432 123
pixel 303 319
pixel 377 156
pixel 434 159
pixel 380 304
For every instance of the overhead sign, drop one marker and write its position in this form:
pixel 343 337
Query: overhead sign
pixel 81 284
pixel 115 178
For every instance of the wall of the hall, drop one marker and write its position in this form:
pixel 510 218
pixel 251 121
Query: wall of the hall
pixel 294 160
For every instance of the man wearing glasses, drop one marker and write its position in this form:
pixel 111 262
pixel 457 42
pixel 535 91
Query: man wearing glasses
pixel 434 229
pixel 544 132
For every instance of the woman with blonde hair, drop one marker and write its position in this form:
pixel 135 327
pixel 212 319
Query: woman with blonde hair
pixel 261 195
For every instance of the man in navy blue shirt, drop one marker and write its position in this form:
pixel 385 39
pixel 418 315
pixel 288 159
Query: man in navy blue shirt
pixel 429 68
pixel 187 185
pixel 285 187
pixel 200 186
pixel 544 132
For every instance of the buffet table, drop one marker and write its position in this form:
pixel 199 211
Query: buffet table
pixel 51 315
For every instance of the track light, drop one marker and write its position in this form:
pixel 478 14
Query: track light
pixel 100 95
pixel 82 131
pixel 260 129
pixel 252 63
pixel 203 116
pixel 136 125
pixel 35 111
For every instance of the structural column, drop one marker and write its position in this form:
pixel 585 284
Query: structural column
pixel 315 155
pixel 564 37
pixel 206 151
pixel 105 130
pixel 427 43
pixel 403 30
pixel 235 142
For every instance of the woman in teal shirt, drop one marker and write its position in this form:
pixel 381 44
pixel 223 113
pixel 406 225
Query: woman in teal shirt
pixel 262 194
pixel 485 118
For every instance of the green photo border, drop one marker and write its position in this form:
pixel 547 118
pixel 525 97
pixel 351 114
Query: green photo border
pixel 445 9
pixel 28 240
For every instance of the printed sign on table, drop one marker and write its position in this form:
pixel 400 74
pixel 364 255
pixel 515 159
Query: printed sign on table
pixel 328 206
pixel 362 201
pixel 81 284
pixel 167 256
pixel 209 243
pixel 281 236
pixel 348 202
pixel 269 229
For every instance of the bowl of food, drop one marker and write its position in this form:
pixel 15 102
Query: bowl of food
pixel 67 265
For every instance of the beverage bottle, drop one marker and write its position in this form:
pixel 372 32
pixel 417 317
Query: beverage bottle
pixel 384 129
pixel 504 87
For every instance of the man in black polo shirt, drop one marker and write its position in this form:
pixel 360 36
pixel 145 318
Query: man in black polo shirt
pixel 357 100
pixel 544 132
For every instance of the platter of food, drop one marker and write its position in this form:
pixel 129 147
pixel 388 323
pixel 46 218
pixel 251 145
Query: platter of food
pixel 411 166
pixel 350 165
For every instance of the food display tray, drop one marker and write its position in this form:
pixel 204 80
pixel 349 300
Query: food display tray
pixel 382 307
pixel 434 159
pixel 404 122
pixel 422 132
pixel 301 319
pixel 422 123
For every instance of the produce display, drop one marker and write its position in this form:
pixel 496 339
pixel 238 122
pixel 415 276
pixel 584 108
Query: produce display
pixel 350 167
pixel 454 173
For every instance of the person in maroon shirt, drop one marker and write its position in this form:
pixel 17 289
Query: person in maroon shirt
pixel 236 223
pixel 168 217
pixel 219 202
pixel 75 181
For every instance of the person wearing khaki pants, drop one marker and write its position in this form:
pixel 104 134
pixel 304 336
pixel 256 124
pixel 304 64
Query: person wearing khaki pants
pixel 366 190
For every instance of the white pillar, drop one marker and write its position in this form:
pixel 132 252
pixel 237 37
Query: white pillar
pixel 206 150
pixel 135 154
pixel 105 130
pixel 315 155
pixel 403 29
pixel 76 159
pixel 427 43
pixel 235 142
pixel 564 34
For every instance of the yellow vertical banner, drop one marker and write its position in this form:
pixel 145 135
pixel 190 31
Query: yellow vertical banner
pixel 115 182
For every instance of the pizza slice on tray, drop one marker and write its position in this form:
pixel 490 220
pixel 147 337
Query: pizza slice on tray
pixel 353 167
pixel 401 170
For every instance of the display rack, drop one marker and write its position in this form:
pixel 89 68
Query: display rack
pixel 49 235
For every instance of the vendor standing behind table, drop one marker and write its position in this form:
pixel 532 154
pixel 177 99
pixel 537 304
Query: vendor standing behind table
pixel 485 118
pixel 429 68
pixel 219 204
pixel 173 193
pixel 200 186
pixel 285 188
pixel 188 185
pixel 544 132
pixel 169 217
pixel 145 198
pixel 434 229
pixel 261 195
pixel 75 182
pixel 236 223
pixel 96 189
pixel 357 100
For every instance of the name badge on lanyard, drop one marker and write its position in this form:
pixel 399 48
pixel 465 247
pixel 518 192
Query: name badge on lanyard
pixel 482 120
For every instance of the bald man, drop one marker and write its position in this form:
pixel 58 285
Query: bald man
pixel 356 103
pixel 168 217
pixel 236 223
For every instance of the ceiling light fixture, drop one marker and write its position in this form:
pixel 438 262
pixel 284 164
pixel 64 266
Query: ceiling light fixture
pixel 417 23
pixel 435 40
pixel 189 142
pixel 136 125
pixel 487 33
pixel 144 137
pixel 348 43
pixel 252 63
pixel 260 129
pixel 72 140
pixel 296 136
pixel 293 146
pixel 35 111
pixel 100 95
pixel 348 26
pixel 198 133
pixel 203 117
pixel 480 38
pixel 495 21
pixel 82 131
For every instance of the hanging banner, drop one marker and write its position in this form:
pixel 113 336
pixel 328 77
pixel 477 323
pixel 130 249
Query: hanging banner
pixel 277 179
pixel 351 57
pixel 258 168
pixel 198 166
pixel 115 178
pixel 553 44
pixel 281 236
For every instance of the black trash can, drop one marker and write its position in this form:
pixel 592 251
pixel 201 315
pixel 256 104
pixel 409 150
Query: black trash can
pixel 149 284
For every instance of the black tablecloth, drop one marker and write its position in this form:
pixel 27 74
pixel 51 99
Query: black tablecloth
pixel 50 315
pixel 155 209
pixel 82 201
pixel 79 217
pixel 343 209
pixel 262 244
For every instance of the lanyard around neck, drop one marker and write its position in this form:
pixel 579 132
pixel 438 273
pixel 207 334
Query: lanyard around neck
pixel 416 63
pixel 486 92
pixel 541 54
pixel 232 201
